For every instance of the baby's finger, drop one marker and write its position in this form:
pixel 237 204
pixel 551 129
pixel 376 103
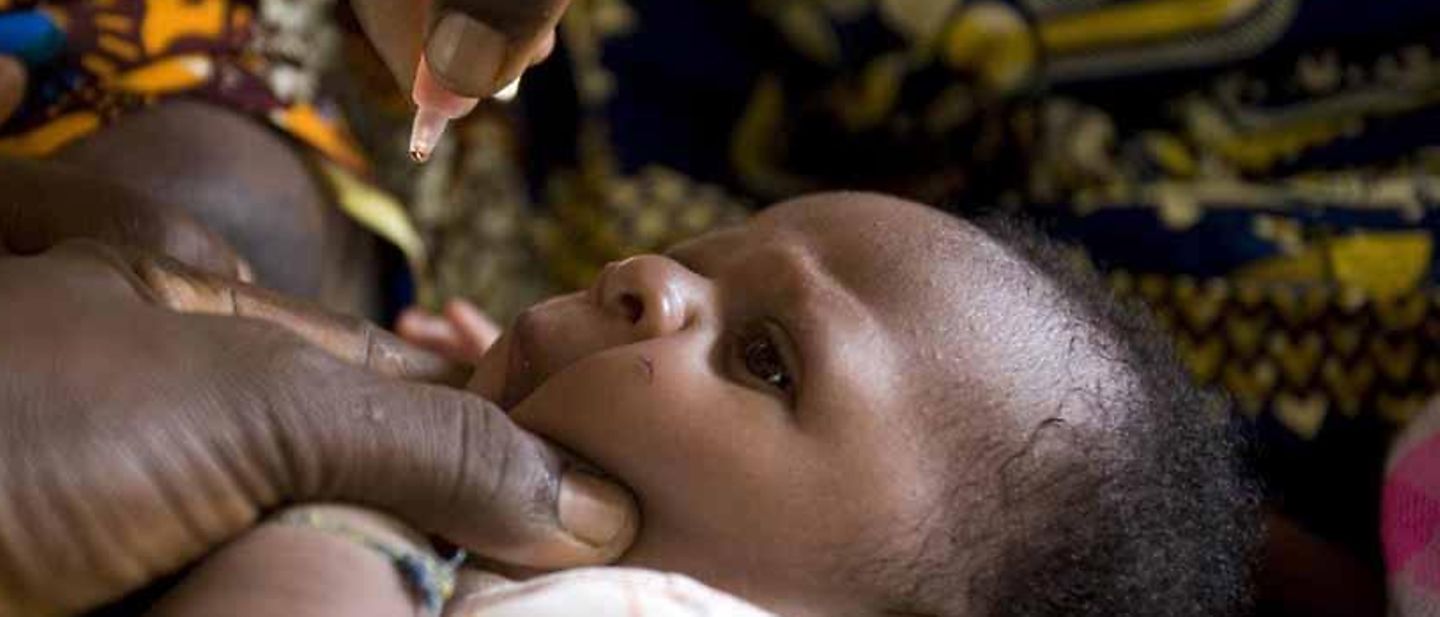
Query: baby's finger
pixel 474 327
pixel 184 289
pixel 434 333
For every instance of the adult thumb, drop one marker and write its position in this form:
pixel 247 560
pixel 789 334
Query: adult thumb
pixel 453 464
pixel 474 47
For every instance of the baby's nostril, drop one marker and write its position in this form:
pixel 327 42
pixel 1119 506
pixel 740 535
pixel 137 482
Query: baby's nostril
pixel 634 308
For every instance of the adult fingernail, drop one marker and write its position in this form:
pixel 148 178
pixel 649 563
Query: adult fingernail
pixel 593 510
pixel 465 54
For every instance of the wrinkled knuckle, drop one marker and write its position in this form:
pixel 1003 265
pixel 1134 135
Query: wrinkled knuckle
pixel 290 356
pixel 175 236
pixel 185 240
pixel 168 288
pixel 515 474
pixel 485 460
pixel 281 387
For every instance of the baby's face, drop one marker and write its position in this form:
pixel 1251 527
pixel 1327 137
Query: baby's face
pixel 768 390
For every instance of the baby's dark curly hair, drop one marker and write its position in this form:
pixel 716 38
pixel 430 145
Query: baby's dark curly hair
pixel 1151 514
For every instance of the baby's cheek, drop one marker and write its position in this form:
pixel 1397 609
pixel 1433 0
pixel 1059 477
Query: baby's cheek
pixel 606 407
pixel 686 440
pixel 642 412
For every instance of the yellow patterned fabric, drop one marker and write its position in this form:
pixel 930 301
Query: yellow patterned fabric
pixel 1303 352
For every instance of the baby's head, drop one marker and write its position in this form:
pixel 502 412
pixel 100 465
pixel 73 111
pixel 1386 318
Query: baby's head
pixel 854 404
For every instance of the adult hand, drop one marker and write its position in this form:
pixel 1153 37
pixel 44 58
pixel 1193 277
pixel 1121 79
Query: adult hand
pixel 472 47
pixel 134 438
pixel 43 204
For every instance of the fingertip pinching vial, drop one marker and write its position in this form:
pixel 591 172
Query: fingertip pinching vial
pixel 436 106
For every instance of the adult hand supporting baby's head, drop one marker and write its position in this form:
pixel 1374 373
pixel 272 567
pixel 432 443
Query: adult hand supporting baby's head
pixel 136 438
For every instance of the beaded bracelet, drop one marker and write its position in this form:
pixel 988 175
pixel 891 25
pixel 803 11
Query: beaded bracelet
pixel 429 578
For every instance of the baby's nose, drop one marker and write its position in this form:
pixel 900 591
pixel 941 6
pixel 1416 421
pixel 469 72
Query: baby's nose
pixel 655 294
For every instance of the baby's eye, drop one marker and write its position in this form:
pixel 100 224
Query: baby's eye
pixel 763 359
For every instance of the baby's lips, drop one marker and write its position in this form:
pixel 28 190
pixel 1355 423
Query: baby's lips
pixel 491 371
pixel 505 374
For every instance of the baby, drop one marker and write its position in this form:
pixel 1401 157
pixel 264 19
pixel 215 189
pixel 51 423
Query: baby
pixel 850 405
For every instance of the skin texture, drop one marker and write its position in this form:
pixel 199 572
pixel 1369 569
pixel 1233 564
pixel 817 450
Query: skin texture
pixel 136 438
pixel 766 391
pixel 663 374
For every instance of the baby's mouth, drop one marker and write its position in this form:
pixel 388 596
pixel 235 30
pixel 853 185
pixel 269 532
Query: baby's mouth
pixel 493 372
pixel 541 342
pixel 517 371
pixel 521 377
pixel 503 374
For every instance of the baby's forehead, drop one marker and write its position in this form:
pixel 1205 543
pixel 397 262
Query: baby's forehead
pixel 863 214
pixel 971 313
pixel 911 264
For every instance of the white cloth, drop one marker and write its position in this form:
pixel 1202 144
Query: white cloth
pixel 598 592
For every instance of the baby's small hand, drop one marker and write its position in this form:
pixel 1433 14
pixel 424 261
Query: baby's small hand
pixel 461 333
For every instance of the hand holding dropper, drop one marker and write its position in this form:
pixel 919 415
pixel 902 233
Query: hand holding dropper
pixel 452 53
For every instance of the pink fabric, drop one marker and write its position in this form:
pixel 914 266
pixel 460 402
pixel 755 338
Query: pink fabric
pixel 1409 524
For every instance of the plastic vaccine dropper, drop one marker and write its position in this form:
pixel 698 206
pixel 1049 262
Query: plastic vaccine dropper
pixel 436 106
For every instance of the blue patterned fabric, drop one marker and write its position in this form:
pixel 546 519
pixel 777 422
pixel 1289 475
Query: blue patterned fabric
pixel 30 36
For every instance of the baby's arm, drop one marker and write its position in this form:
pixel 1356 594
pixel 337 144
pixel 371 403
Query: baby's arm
pixel 285 568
